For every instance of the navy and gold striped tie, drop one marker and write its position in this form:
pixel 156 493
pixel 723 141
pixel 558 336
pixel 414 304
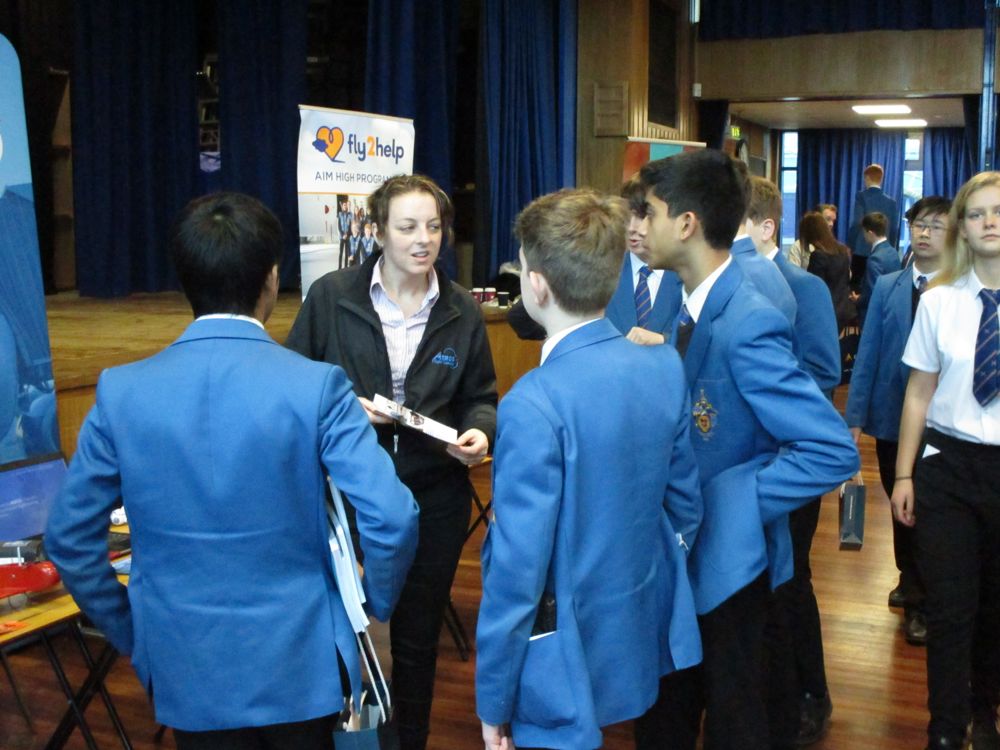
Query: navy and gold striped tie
pixel 643 302
pixel 986 377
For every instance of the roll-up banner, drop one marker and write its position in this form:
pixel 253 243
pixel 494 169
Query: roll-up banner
pixel 28 425
pixel 342 158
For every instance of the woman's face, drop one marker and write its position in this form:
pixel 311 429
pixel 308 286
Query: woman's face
pixel 981 224
pixel 411 238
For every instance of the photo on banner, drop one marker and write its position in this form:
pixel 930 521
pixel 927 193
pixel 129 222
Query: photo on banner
pixel 28 426
pixel 343 157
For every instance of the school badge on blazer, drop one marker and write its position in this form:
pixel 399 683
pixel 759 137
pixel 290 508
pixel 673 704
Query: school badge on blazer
pixel 704 416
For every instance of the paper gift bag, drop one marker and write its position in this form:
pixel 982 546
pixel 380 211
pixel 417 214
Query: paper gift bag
pixel 852 514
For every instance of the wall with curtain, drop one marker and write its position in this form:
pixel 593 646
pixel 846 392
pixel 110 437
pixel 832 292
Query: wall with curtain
pixel 135 139
pixel 831 166
pixel 262 80
pixel 411 72
pixel 135 128
pixel 948 161
pixel 528 88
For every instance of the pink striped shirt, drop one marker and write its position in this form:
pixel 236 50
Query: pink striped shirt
pixel 402 335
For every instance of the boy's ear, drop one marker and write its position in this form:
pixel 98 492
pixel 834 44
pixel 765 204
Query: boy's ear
pixel 769 228
pixel 539 287
pixel 686 225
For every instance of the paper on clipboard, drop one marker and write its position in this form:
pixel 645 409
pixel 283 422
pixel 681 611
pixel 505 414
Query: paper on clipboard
pixel 414 420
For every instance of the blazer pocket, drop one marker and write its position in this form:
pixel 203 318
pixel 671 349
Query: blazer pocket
pixel 545 693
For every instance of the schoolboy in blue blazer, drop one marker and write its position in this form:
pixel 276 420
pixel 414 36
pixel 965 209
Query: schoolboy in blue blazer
pixel 878 384
pixel 596 503
pixel 218 446
pixel 798 700
pixel 870 200
pixel 768 280
pixel 765 438
pixel 883 259
pixel 626 305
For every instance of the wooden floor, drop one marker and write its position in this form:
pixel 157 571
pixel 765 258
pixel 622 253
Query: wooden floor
pixel 877 681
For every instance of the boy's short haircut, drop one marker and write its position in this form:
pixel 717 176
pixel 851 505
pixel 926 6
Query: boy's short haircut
pixel 765 201
pixel 634 192
pixel 877 223
pixel 931 205
pixel 875 173
pixel 821 207
pixel 706 182
pixel 575 238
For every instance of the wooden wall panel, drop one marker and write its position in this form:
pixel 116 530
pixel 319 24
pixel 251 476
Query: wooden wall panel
pixel 613 43
pixel 864 64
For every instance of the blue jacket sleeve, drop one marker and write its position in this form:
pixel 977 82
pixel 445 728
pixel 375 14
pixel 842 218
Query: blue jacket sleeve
pixel 817 334
pixel 815 449
pixel 527 495
pixel 683 502
pixel 866 361
pixel 386 511
pixel 77 534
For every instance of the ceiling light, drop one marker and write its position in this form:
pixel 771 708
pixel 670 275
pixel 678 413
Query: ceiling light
pixel 881 109
pixel 914 123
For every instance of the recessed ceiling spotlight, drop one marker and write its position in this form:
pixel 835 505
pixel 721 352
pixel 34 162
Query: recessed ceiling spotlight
pixel 914 123
pixel 881 109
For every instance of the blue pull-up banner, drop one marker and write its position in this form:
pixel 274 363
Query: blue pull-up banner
pixel 27 392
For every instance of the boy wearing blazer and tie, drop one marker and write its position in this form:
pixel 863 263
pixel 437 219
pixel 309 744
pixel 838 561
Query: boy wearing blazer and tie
pixel 586 598
pixel 765 437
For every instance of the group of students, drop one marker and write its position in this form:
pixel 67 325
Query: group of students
pixel 656 478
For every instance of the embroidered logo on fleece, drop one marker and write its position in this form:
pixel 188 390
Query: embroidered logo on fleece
pixel 446 357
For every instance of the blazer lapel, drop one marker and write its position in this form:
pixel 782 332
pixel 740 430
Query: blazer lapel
pixel 701 337
pixel 668 302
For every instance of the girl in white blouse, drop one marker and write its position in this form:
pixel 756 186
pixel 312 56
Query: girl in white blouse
pixel 948 469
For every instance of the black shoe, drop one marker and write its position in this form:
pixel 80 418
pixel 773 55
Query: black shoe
pixel 915 628
pixel 945 743
pixel 984 733
pixel 814 718
pixel 896 598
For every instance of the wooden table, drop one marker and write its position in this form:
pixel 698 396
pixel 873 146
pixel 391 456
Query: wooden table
pixel 51 612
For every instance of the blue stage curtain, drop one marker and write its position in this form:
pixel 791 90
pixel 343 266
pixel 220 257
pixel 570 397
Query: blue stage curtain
pixel 831 167
pixel 135 139
pixel 262 80
pixel 410 72
pixel 764 19
pixel 528 53
pixel 947 161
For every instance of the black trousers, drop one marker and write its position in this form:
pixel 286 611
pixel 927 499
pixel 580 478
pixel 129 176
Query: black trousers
pixel 415 625
pixel 315 734
pixel 793 635
pixel 730 678
pixel 904 538
pixel 858 265
pixel 958 550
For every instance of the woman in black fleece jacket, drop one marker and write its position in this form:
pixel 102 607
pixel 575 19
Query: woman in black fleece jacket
pixel 368 320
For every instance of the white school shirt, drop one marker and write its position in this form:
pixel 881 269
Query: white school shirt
pixel 696 300
pixel 943 340
pixel 231 316
pixel 652 281
pixel 402 335
pixel 550 343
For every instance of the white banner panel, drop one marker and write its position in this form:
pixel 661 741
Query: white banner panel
pixel 342 158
